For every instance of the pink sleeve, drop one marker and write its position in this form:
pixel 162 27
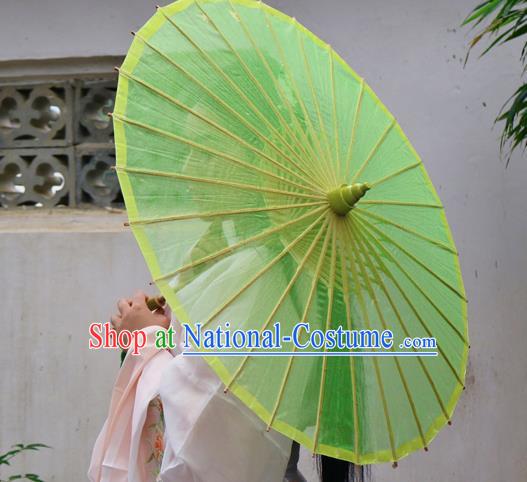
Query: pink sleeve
pixel 124 448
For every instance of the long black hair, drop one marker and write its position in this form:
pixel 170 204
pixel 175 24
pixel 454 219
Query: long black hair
pixel 335 470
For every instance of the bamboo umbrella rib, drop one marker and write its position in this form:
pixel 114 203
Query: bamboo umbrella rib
pixel 354 128
pixel 373 151
pixel 346 295
pixel 283 296
pixel 383 286
pixel 281 391
pixel 316 103
pixel 358 290
pixel 406 229
pixel 410 304
pixel 312 157
pixel 238 90
pixel 212 214
pixel 389 202
pixel 294 84
pixel 216 67
pixel 264 270
pixel 395 174
pixel 307 307
pixel 219 182
pixel 250 74
pixel 413 257
pixel 327 155
pixel 447 360
pixel 331 294
pixel 214 152
pixel 314 188
pixel 419 288
pixel 254 80
pixel 334 98
pixel 241 243
pixel 367 259
pixel 246 187
pixel 211 94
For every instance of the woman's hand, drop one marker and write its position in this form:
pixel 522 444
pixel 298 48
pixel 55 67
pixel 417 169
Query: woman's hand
pixel 135 315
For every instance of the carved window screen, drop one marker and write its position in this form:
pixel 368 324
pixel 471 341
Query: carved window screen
pixel 56 145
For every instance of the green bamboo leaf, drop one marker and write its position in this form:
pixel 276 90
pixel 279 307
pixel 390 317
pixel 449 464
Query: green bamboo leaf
pixel 518 32
pixel 482 11
pixel 33 477
pixel 508 24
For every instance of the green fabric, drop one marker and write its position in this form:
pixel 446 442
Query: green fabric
pixel 232 124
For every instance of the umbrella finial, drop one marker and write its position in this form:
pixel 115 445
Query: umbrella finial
pixel 342 199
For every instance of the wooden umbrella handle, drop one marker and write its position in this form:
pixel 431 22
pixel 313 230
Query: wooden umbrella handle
pixel 155 302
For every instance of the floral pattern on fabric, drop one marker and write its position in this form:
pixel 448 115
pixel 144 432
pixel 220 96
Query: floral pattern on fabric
pixel 156 437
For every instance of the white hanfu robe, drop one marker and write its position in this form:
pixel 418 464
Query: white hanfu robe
pixel 207 435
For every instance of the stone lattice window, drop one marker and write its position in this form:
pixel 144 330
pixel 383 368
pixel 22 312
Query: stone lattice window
pixel 56 144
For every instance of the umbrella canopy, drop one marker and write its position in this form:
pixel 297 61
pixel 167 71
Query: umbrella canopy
pixel 265 182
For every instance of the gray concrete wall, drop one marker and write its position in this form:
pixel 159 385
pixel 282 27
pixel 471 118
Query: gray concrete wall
pixel 59 272
pixel 33 29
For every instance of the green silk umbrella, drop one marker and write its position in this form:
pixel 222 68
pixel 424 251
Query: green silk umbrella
pixel 265 182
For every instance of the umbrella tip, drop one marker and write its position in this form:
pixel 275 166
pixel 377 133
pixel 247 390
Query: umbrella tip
pixel 226 389
pixel 395 465
pixel 343 198
pixel 116 68
pixel 126 224
pixel 450 422
pixel 110 114
pixel 426 449
pixel 158 7
pixel 133 33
